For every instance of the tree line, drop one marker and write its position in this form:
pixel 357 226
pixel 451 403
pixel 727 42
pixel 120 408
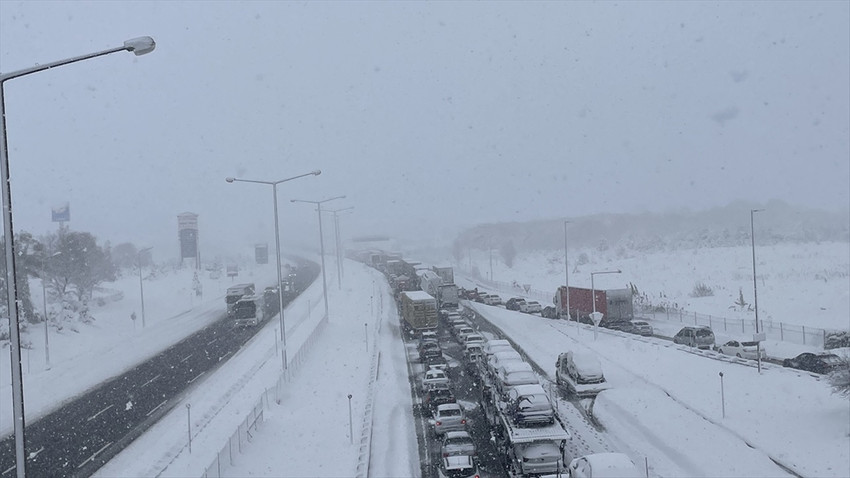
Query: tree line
pixel 71 265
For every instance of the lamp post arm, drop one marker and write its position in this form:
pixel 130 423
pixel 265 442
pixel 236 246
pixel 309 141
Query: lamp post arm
pixel 53 64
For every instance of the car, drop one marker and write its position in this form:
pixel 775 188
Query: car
pixel 513 374
pixel 581 373
pixel 549 312
pixel 604 465
pixel 427 335
pixel 747 350
pixel 429 348
pixel 529 405
pixel 432 377
pixel 533 307
pixel 458 466
pixel 514 303
pixel 642 327
pixel 473 338
pixel 458 443
pixel 473 352
pixel 462 331
pixel 437 395
pixel 700 337
pixel 500 358
pixel 495 300
pixel 436 361
pixel 448 417
pixel 623 325
pixel 818 363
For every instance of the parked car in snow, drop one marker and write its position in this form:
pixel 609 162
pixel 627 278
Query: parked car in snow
pixel 549 312
pixel 747 350
pixel 604 465
pixel 581 373
pixel 642 327
pixel 817 363
pixel 514 303
pixel 700 337
pixel 532 307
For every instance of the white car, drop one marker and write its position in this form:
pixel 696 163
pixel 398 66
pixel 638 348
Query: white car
pixel 448 417
pixel 434 376
pixel 532 307
pixel 604 465
pixel 747 350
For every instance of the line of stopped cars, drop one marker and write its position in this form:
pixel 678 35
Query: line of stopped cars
pixel 528 433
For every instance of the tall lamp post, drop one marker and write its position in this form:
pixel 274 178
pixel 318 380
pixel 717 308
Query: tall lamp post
pixel 755 286
pixel 597 317
pixel 139 46
pixel 44 304
pixel 321 244
pixel 142 287
pixel 277 247
pixel 338 240
pixel 567 273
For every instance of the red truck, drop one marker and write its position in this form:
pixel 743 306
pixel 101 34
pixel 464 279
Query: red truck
pixel 581 304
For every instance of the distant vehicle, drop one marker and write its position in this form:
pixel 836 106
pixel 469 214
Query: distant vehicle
pixel 493 299
pixel 473 338
pixel 818 363
pixel 462 331
pixel 642 327
pixel 549 312
pixel 700 337
pixel 623 325
pixel 458 443
pixel 533 307
pixel 448 417
pixel 580 301
pixel 236 292
pixel 514 303
pixel 747 350
pixel 604 465
pixel 581 373
pixel 248 311
pixel 502 357
pixel 457 466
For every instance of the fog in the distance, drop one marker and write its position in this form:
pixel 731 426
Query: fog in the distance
pixel 428 116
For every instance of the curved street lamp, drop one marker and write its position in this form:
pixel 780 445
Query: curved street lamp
pixel 321 244
pixel 139 46
pixel 277 246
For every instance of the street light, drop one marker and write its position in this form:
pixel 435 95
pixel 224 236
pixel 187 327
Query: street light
pixel 755 287
pixel 338 242
pixel 141 287
pixel 277 247
pixel 596 318
pixel 44 304
pixel 567 273
pixel 321 243
pixel 139 46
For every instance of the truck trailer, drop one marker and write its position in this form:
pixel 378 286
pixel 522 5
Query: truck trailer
pixel 581 304
pixel 418 311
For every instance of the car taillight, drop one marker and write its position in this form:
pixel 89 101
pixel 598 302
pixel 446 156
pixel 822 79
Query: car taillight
pixel 439 423
pixel 463 422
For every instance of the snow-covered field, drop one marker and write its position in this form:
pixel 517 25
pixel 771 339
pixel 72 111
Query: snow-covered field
pixel 804 284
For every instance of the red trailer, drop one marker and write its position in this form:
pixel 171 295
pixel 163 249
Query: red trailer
pixel 581 304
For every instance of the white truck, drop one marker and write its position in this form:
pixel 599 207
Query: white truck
pixel 526 450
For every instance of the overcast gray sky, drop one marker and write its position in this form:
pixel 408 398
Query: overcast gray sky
pixel 427 116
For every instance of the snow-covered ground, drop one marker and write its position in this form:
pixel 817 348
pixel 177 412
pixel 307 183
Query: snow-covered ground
pixel 664 404
pixel 803 284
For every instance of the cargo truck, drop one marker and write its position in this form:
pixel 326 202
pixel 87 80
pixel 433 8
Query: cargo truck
pixel 418 311
pixel 235 293
pixel 581 304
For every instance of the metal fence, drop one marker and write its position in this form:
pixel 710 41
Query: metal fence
pixel 243 435
pixel 798 334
